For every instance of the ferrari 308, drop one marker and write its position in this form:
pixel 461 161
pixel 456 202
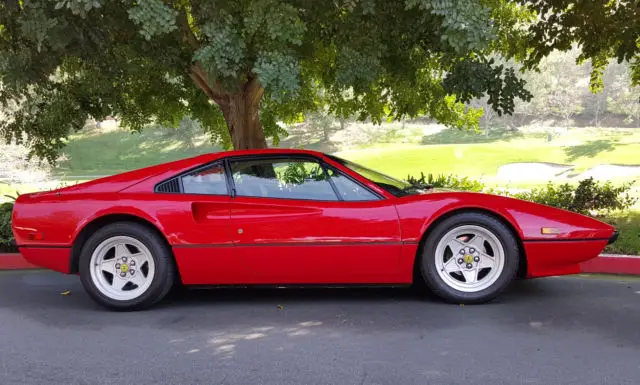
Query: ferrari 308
pixel 292 217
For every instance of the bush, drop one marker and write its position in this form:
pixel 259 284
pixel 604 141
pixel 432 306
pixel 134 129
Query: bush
pixel 588 197
pixel 447 181
pixel 6 235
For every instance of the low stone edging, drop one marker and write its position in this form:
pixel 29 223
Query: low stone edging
pixel 604 264
pixel 613 264
pixel 14 261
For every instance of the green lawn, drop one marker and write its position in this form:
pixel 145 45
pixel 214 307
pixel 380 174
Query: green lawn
pixel 481 160
pixel 91 154
pixel 449 151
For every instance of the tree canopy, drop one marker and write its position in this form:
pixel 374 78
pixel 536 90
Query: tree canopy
pixel 240 67
pixel 602 29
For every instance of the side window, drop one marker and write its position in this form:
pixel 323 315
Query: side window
pixel 348 189
pixel 209 180
pixel 282 178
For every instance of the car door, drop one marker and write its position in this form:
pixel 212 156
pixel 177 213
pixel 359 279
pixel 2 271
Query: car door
pixel 291 225
pixel 197 220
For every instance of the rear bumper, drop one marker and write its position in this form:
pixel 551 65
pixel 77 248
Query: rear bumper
pixel 53 258
pixel 613 238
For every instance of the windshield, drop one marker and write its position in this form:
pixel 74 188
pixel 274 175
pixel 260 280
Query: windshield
pixel 391 185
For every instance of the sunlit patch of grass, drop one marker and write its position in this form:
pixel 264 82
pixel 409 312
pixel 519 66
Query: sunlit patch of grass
pixel 483 159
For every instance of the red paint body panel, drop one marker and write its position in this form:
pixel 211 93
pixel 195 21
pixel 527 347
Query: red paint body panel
pixel 56 259
pixel 268 221
pixel 210 265
pixel 322 264
pixel 559 258
pixel 318 242
pixel 241 240
pixel 418 212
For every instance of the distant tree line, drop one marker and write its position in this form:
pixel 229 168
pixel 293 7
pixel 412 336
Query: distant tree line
pixel 561 92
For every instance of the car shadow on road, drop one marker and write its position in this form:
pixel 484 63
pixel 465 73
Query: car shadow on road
pixel 607 308
pixel 519 291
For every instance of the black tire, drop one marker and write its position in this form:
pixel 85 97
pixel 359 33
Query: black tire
pixel 427 259
pixel 165 272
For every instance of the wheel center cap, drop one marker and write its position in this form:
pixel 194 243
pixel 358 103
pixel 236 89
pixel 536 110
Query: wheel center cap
pixel 468 258
pixel 124 268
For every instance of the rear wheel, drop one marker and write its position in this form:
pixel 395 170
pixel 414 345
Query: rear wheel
pixel 469 258
pixel 126 266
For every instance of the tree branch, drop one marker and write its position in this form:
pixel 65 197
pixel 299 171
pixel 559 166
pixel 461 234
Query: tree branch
pixel 202 85
pixel 196 72
pixel 188 35
pixel 215 93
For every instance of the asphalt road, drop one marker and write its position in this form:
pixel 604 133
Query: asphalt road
pixel 549 331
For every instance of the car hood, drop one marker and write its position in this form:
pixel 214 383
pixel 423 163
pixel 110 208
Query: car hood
pixel 528 218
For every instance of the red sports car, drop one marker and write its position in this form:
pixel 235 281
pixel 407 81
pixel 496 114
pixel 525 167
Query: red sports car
pixel 292 217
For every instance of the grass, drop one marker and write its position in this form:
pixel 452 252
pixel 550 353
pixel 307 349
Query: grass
pixel 447 151
pixel 94 154
pixel 480 160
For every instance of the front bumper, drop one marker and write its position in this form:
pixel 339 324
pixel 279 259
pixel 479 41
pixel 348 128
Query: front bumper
pixel 613 238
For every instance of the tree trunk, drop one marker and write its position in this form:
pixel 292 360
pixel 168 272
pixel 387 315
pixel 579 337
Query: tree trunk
pixel 241 113
pixel 325 132
pixel 240 109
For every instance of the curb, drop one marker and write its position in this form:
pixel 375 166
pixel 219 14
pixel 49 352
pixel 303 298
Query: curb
pixel 612 264
pixel 603 264
pixel 14 261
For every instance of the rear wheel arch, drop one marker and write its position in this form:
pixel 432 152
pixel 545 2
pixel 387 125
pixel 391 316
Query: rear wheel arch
pixel 522 263
pixel 100 222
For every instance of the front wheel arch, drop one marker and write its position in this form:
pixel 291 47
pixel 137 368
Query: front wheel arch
pixel 522 262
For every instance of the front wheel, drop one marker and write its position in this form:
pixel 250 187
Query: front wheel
pixel 126 266
pixel 469 258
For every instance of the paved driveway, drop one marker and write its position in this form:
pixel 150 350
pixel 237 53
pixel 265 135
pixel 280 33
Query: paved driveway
pixel 549 331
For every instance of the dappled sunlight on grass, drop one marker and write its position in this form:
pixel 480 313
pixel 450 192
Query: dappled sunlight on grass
pixel 452 136
pixel 480 160
pixel 173 147
pixel 590 149
pixel 120 150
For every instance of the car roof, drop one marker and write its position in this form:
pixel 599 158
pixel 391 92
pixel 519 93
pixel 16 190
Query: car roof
pixel 266 151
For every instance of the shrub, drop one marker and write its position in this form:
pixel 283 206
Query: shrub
pixel 6 235
pixel 588 197
pixel 447 181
